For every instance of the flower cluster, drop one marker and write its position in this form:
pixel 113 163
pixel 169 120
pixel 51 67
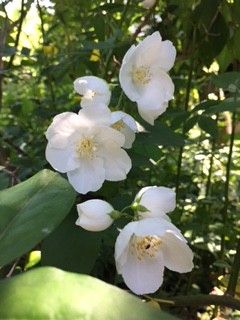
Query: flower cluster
pixel 90 148
pixel 147 244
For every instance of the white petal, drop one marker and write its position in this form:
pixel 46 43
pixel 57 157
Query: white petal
pixel 177 255
pixel 166 55
pixel 121 245
pixel 101 115
pixel 126 118
pixel 117 163
pixel 158 200
pixel 147 51
pixel 125 79
pixel 143 276
pixel 94 91
pixel 62 160
pixel 88 177
pixel 156 226
pixel 151 114
pixel 129 127
pixel 94 215
pixel 129 136
pixel 108 137
pixel 153 51
pixel 62 127
pixel 154 98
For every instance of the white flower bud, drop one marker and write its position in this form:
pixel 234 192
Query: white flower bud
pixel 94 215
pixel 157 200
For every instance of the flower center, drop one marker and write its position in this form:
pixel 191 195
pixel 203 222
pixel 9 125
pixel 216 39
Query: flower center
pixel 141 75
pixel 86 148
pixel 144 247
pixel 118 125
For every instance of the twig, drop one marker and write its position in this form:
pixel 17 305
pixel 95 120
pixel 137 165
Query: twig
pixel 199 300
pixel 22 16
pixel 226 189
pixel 188 89
pixel 233 280
pixel 12 269
pixel 144 22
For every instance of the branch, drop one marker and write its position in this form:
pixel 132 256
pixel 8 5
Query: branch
pixel 233 280
pixel 22 16
pixel 200 300
pixel 144 22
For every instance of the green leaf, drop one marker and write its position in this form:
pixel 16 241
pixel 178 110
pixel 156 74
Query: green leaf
pixel 160 134
pixel 71 247
pixel 225 105
pixel 209 125
pixel 30 211
pixel 190 123
pixel 225 80
pixel 49 293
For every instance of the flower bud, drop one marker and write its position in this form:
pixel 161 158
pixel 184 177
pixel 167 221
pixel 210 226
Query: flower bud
pixel 157 200
pixel 94 215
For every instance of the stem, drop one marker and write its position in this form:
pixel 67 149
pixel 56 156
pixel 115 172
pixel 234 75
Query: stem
pixel 210 169
pixel 22 16
pixel 199 300
pixel 144 22
pixel 208 185
pixel 226 189
pixel 124 13
pixel 42 21
pixel 233 280
pixel 188 89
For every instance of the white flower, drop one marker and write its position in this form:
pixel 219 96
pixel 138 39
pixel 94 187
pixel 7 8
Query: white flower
pixel 94 215
pixel 143 75
pixel 148 4
pixel 124 123
pixel 86 148
pixel 142 250
pixel 93 90
pixel 158 201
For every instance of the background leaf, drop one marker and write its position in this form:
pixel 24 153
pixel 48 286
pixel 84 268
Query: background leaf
pixel 71 247
pixel 30 211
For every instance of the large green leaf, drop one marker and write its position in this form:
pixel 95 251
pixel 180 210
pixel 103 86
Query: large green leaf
pixel 70 247
pixel 49 293
pixel 30 211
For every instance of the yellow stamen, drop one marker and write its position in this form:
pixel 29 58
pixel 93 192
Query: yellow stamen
pixel 141 75
pixel 118 125
pixel 144 247
pixel 86 148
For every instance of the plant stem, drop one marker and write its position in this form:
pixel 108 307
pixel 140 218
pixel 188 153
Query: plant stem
pixel 208 185
pixel 226 188
pixel 188 89
pixel 233 280
pixel 22 16
pixel 210 169
pixel 199 300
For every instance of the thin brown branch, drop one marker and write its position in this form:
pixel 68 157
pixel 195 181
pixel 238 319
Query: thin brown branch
pixel 199 300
